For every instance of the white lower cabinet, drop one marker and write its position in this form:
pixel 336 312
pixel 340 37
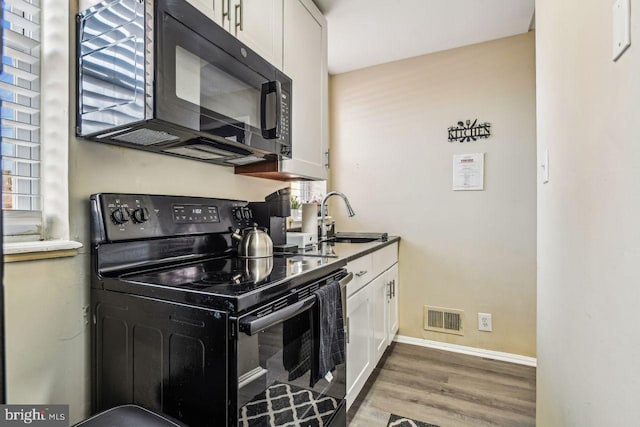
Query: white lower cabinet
pixel 379 290
pixel 358 341
pixel 392 303
pixel 372 314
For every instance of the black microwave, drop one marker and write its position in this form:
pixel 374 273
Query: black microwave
pixel 161 76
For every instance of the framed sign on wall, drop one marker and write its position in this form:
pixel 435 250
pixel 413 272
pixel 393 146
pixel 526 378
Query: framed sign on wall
pixel 468 172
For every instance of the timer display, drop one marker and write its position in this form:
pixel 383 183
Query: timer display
pixel 195 214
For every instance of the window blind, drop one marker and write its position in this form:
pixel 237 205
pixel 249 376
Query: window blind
pixel 20 116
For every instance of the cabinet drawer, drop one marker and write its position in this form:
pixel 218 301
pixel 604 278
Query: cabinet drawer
pixel 362 273
pixel 383 259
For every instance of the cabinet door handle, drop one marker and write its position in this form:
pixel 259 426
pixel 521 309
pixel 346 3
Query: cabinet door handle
pixel 239 13
pixel 225 13
pixel 361 273
pixel 394 287
pixel 388 285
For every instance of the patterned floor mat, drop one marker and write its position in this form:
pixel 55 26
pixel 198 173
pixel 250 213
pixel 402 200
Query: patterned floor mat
pixel 285 405
pixel 398 421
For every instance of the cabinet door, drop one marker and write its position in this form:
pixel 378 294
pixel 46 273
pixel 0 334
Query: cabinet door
pixel 305 61
pixel 380 291
pixel 211 8
pixel 258 24
pixel 359 363
pixel 392 302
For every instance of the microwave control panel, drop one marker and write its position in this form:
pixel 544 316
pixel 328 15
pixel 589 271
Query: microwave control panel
pixel 285 124
pixel 284 121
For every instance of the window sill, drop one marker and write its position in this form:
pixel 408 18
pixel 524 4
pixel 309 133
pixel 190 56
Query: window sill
pixel 28 251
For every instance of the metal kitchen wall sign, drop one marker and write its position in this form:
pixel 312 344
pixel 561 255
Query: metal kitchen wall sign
pixel 466 132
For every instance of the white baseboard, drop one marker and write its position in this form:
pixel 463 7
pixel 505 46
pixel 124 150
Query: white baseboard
pixel 472 351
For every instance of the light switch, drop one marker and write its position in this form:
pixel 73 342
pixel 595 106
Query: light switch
pixel 545 166
pixel 621 27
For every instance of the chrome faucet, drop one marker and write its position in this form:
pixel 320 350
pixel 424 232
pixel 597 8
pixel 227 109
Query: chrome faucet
pixel 323 208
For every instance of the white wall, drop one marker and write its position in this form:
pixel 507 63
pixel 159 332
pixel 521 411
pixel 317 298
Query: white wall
pixel 588 108
pixel 473 251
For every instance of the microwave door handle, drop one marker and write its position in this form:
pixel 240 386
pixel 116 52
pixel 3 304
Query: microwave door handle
pixel 254 324
pixel 267 89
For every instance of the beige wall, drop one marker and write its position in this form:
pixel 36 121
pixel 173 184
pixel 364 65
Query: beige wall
pixel 588 227
pixel 474 251
pixel 47 334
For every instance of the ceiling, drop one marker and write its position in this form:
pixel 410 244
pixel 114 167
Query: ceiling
pixel 369 32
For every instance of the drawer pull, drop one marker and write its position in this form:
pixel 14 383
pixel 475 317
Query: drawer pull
pixel 361 273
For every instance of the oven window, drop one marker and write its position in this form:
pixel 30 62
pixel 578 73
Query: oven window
pixel 274 385
pixel 205 85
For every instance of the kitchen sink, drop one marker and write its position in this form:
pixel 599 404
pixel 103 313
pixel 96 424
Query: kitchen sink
pixel 328 248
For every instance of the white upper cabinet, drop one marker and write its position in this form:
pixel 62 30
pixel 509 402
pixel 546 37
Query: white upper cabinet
pixel 211 8
pixel 305 61
pixel 258 24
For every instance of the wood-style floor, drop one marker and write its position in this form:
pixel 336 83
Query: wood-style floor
pixel 447 389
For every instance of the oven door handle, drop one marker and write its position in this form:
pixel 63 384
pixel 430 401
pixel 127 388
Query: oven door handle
pixel 343 295
pixel 346 279
pixel 251 325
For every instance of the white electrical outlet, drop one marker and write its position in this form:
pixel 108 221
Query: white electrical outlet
pixel 484 322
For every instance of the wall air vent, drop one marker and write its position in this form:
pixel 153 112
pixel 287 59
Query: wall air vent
pixel 445 320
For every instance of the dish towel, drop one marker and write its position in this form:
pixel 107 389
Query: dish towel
pixel 330 331
pixel 296 336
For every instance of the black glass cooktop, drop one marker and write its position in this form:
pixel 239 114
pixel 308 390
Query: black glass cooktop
pixel 231 276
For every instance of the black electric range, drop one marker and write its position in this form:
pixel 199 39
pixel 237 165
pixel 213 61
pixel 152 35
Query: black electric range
pixel 184 326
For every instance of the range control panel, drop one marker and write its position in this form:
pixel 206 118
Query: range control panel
pixel 242 217
pixel 195 214
pixel 137 216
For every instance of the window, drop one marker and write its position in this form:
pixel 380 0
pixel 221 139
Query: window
pixel 20 118
pixel 35 119
pixel 305 192
pixel 308 191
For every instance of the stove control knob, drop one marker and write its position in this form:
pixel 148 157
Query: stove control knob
pixel 237 213
pixel 141 215
pixel 120 215
pixel 244 213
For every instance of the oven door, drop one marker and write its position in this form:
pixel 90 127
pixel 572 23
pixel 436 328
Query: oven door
pixel 275 365
pixel 209 82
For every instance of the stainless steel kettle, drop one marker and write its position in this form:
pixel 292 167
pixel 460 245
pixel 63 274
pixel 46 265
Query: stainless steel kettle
pixel 254 242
